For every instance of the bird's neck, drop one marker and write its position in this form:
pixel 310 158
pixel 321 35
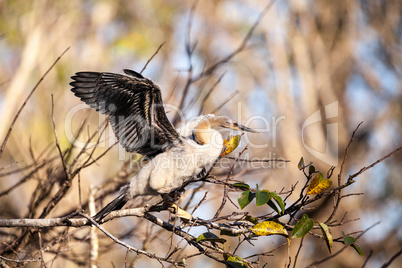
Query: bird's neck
pixel 204 131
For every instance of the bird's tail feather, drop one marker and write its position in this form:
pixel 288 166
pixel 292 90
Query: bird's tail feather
pixel 116 204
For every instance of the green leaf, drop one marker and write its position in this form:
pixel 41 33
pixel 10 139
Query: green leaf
pixel 241 186
pixel 356 247
pixel 278 200
pixel 273 206
pixel 311 169
pixel 326 232
pixel 261 197
pixel 251 219
pixel 348 240
pixel 224 232
pixel 302 227
pixel 211 237
pixel 301 164
pixel 269 228
pixel 245 198
pixel 236 261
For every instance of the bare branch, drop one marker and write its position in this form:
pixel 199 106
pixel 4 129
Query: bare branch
pixel 130 248
pixel 57 143
pixel 226 101
pixel 209 93
pixel 17 261
pixel 153 55
pixel 256 160
pixel 351 177
pixel 338 195
pixel 239 49
pixel 388 263
pixel 342 249
pixel 3 145
pixel 94 241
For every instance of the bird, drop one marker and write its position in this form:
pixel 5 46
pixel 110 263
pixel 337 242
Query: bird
pixel 138 118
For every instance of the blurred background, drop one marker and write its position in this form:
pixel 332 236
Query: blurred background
pixel 308 75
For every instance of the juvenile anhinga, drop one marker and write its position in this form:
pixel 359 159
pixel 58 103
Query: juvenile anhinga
pixel 136 113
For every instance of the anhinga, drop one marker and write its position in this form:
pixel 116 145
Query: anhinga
pixel 138 118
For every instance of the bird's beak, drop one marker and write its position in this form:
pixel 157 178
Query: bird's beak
pixel 237 126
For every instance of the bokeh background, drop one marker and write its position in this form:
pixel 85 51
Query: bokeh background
pixel 303 55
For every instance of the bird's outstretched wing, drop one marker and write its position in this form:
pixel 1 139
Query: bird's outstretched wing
pixel 135 109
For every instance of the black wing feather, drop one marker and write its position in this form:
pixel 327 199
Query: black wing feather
pixel 135 108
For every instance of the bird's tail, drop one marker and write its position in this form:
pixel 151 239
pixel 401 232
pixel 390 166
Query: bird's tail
pixel 116 204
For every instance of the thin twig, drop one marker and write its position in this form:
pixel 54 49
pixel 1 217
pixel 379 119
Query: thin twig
pixel 57 142
pixel 209 93
pixel 225 191
pixel 149 60
pixel 42 260
pixel 118 241
pixel 256 160
pixel 298 251
pixel 210 70
pixel 199 203
pixel 226 101
pixel 266 253
pixel 86 164
pixel 351 177
pixel 239 49
pixel 189 51
pixel 100 156
pixel 83 149
pixel 25 102
pixel 388 263
pixel 338 195
pixel 367 259
pixel 18 261
pixel 25 178
pixel 342 249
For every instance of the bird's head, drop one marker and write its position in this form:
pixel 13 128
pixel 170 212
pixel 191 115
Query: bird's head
pixel 226 122
pixel 204 131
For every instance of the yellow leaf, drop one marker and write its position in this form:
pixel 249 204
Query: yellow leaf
pixel 230 145
pixel 318 184
pixel 182 214
pixel 269 228
pixel 300 166
pixel 327 235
